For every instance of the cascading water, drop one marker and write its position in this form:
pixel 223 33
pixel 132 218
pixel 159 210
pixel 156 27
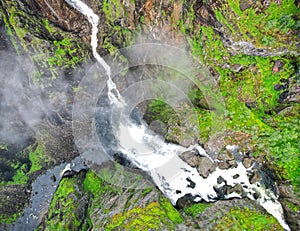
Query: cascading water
pixel 161 160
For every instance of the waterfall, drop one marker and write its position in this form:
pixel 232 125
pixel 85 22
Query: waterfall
pixel 161 160
pixel 94 21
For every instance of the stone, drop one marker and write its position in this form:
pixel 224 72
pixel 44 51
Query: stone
pixel 246 4
pixel 279 87
pixel 206 166
pixel 247 162
pixel 223 165
pixel 277 66
pixel 254 177
pixel 237 189
pixel 190 158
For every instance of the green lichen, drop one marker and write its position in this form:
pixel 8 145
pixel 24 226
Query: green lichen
pixel 46 54
pixel 271 135
pixel 64 212
pixel 196 209
pixel 269 28
pixel 64 54
pixel 37 159
pixel 155 216
pixel 247 219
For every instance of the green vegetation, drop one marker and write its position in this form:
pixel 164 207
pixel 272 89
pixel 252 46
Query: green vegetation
pixel 247 219
pixel 65 54
pixel 47 54
pixel 196 209
pixel 9 219
pixel 154 216
pixel 249 80
pixel 36 154
pixel 64 212
pixel 266 28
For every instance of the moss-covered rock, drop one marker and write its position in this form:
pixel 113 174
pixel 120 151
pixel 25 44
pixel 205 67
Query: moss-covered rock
pixel 68 207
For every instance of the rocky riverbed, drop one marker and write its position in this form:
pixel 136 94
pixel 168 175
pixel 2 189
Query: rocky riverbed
pixel 251 50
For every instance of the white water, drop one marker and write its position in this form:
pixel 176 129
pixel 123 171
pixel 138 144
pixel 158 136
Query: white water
pixel 94 21
pixel 173 176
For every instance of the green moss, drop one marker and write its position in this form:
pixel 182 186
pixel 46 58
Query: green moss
pixel 28 36
pixel 146 191
pixel 65 206
pixel 171 212
pixel 155 216
pixel 116 35
pixel 36 156
pixel 247 219
pixel 269 28
pixel 196 209
pixel 64 54
pixel 9 219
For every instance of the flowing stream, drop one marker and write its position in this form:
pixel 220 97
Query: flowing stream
pixel 160 160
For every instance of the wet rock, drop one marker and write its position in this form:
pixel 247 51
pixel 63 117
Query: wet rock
pixel 246 4
pixel 206 166
pixel 237 189
pixel 69 173
pixel 255 177
pixel 221 180
pixel 191 158
pixel 191 184
pixel 291 205
pixel 185 201
pixel 247 162
pixel 227 160
pixel 53 178
pixel 158 127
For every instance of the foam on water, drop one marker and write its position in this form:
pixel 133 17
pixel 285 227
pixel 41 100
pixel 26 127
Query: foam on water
pixel 171 174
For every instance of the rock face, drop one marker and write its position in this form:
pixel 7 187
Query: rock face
pixel 254 61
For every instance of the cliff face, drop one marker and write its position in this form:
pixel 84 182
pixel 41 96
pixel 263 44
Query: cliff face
pixel 251 49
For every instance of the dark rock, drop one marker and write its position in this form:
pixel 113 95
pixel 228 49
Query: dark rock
pixel 206 166
pixel 53 178
pixel 246 4
pixel 185 201
pixel 279 87
pixel 237 189
pixel 251 105
pixel 69 173
pixel 236 176
pixel 192 184
pixel 54 118
pixel 12 200
pixel 221 191
pixel 123 160
pixel 191 158
pixel 283 96
pixel 220 180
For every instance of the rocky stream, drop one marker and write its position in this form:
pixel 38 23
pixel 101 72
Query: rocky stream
pixel 149 115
